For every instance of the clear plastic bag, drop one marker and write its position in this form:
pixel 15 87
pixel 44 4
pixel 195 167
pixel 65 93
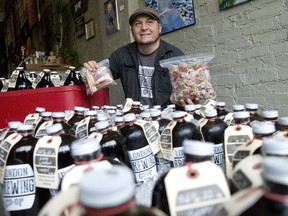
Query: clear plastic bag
pixel 190 77
pixel 99 79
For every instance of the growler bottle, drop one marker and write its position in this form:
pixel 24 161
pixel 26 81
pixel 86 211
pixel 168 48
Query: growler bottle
pixel 194 152
pixel 253 109
pixel 191 109
pixel 93 120
pixel 221 109
pixel 270 116
pixel 213 131
pixel 112 195
pixel 16 82
pixel 45 81
pixel 135 108
pixel 273 202
pixel 78 76
pixel 72 78
pixel 45 116
pixel 21 196
pixel 140 153
pixel 77 117
pixel 59 118
pixel 12 127
pixel 112 143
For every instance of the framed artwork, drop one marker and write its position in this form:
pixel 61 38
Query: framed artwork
pixel 225 4
pixel 174 14
pixel 79 26
pixel 89 29
pixel 111 16
pixel 78 7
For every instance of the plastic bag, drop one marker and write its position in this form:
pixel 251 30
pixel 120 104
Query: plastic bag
pixel 99 79
pixel 190 77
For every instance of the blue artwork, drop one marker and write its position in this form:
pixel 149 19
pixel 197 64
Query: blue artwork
pixel 174 14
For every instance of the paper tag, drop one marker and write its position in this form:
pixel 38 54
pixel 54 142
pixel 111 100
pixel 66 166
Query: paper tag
pixel 281 134
pixel 247 173
pixel 42 129
pixel 246 150
pixel 96 135
pixel 32 119
pixel 69 116
pixel 128 105
pixel 3 133
pixel 196 193
pixel 208 104
pixel 178 153
pixel 162 164
pixel 239 202
pixel 46 162
pixel 38 79
pixel 143 163
pixel 5 87
pixel 151 133
pixel 64 77
pixel 82 128
pixel 19 187
pixel 166 142
pixel 188 117
pixel 219 156
pixel 13 79
pixel 229 118
pixel 73 176
pixel 156 125
pixel 235 136
pixel 55 79
pixel 5 148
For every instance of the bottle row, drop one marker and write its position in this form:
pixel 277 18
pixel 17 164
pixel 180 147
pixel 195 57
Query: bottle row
pixel 135 160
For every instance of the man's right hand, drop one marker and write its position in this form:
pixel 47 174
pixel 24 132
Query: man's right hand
pixel 91 65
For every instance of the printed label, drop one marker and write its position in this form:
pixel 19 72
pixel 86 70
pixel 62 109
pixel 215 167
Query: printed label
pixel 162 164
pixel 64 77
pixel 38 79
pixel 143 163
pixel 5 87
pixel 69 116
pixel 151 133
pixel 82 128
pixel 178 156
pixel 55 79
pixel 13 79
pixel 128 105
pixel 166 142
pixel 219 156
pixel 32 119
pixel 3 133
pixel 42 129
pixel 19 187
pixel 46 162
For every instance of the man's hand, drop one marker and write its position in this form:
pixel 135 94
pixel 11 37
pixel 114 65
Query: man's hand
pixel 91 65
pixel 189 101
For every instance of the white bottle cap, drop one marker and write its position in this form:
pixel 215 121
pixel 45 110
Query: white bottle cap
pixel 101 125
pixel 40 109
pixel 54 128
pixel 145 107
pixel 172 106
pixel 72 68
pixel 114 187
pixel 157 107
pixel 262 127
pixel 145 114
pixel 20 68
pixel 136 103
pixel 275 169
pixel 220 103
pixel 111 111
pixel 118 119
pixel 84 147
pixel 198 148
pixel 91 113
pixel 241 115
pixel 275 146
pixel 46 70
pixel 129 117
pixel 58 115
pixel 14 124
pixel 119 106
pixel 46 114
pixel 270 114
pixel 283 121
pixel 178 114
pixel 24 127
pixel 95 107
pixel 251 106
pixel 198 106
pixel 190 107
pixel 155 112
pixel 79 109
pixel 210 112
pixel 102 116
pixel 238 107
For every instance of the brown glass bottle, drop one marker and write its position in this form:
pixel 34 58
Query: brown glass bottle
pixel 45 116
pixel 72 78
pixel 77 117
pixel 93 120
pixel 21 196
pixel 59 117
pixel 21 81
pixel 213 131
pixel 253 109
pixel 135 108
pixel 13 125
pixel 221 109
pixel 194 152
pixel 45 81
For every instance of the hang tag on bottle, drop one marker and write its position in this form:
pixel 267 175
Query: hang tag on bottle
pixel 188 117
pixel 239 202
pixel 234 137
pixel 151 133
pixel 208 104
pixel 38 79
pixel 202 123
pixel 127 105
pixel 64 77
pixel 96 135
pixel 229 118
pixel 42 129
pixel 13 79
pixel 32 119
pixel 82 128
pixel 46 162
pixel 247 173
pixel 73 176
pixel 246 150
pixel 5 148
pixel 166 141
pixel 5 87
pixel 200 187
pixel 55 79
pixel 69 116
pixel 3 133
pixel 281 134
pixel 156 125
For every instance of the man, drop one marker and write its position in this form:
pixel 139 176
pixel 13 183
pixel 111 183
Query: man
pixel 137 64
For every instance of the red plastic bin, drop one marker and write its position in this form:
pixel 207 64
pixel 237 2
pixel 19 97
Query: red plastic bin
pixel 16 105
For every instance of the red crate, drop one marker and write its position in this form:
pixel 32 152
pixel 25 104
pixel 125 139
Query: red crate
pixel 16 105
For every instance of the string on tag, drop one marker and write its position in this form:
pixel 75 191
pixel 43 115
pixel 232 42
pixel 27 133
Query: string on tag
pixel 191 171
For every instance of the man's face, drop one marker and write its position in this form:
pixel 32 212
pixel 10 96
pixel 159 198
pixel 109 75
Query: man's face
pixel 145 30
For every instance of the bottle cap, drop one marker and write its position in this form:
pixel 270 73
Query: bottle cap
pixel 198 148
pixel 114 187
pixel 129 117
pixel 198 106
pixel 91 113
pixel 101 125
pixel 72 68
pixel 46 114
pixel 262 127
pixel 118 119
pixel 190 107
pixel 274 169
pixel 171 106
pixel 251 106
pixel 220 103
pixel 238 107
pixel 274 145
pixel 40 109
pixel 111 111
pixel 283 121
pixel 113 107
pixel 270 114
pixel 119 106
pixel 145 107
pixel 95 107
pixel 102 116
pixel 58 115
pixel 24 127
pixel 54 128
pixel 136 103
pixel 241 114
pixel 20 68
pixel 178 114
pixel 79 109
pixel 155 112
pixel 46 70
pixel 210 112
pixel 157 107
pixel 14 124
pixel 145 114
pixel 84 147
pixel 54 72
